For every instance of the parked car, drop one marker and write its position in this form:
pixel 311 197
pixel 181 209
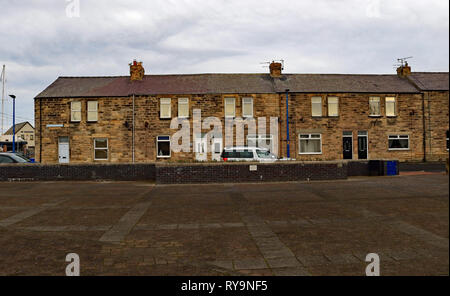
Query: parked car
pixel 9 157
pixel 244 153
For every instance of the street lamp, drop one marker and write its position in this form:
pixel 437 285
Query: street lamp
pixel 14 123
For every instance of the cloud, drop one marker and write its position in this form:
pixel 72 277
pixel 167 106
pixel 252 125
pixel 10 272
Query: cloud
pixel 38 42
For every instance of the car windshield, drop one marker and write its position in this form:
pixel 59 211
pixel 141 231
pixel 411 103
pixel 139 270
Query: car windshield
pixel 17 158
pixel 264 154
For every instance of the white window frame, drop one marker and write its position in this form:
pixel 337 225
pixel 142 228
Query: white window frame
pixel 258 138
pixel 183 101
pixel 73 111
pixel 170 146
pixel 249 102
pixel 446 139
pixel 101 148
pixel 371 99
pixel 337 106
pixel 165 101
pixel 89 111
pixel 316 103
pixel 309 138
pixel 398 137
pixel 233 99
pixel 390 102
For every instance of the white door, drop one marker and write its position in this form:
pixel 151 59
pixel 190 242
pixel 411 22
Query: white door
pixel 200 148
pixel 63 149
pixel 216 149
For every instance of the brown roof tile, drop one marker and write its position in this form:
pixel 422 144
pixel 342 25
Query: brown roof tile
pixel 431 80
pixel 223 84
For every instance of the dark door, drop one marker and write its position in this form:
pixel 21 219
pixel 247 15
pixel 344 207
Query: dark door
pixel 362 145
pixel 348 147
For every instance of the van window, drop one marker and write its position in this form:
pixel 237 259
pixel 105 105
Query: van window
pixel 238 154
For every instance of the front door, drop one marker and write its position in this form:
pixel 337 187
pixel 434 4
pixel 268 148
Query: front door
pixel 200 148
pixel 216 149
pixel 362 145
pixel 347 145
pixel 63 149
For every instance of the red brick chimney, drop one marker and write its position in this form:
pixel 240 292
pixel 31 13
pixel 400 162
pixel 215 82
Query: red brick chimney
pixel 275 69
pixel 404 70
pixel 136 71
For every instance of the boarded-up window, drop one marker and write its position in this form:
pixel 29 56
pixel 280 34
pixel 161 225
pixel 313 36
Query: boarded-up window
pixel 165 110
pixel 183 107
pixel 92 111
pixel 390 106
pixel 333 106
pixel 247 107
pixel 316 106
pixel 374 106
pixel 75 111
pixel 230 107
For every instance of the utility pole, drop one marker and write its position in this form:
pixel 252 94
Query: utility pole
pixel 3 98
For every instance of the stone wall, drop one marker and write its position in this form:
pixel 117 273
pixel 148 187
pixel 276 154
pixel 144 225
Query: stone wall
pixel 436 124
pixel 115 119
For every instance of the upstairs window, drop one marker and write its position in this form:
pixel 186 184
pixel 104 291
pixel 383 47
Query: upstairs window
pixel 316 106
pixel 399 142
pixel 247 107
pixel 165 111
pixel 333 106
pixel 230 107
pixel 183 107
pixel 390 107
pixel 92 111
pixel 75 111
pixel 374 106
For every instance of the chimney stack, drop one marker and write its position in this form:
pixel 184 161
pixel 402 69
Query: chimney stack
pixel 275 69
pixel 136 71
pixel 404 70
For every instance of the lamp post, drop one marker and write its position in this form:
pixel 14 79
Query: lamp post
pixel 14 123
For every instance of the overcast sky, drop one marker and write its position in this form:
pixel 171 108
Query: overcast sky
pixel 43 39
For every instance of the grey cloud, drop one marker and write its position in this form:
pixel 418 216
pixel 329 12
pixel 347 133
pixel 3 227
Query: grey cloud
pixel 38 42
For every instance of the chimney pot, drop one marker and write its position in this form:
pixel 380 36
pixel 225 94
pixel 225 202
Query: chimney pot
pixel 275 69
pixel 404 70
pixel 136 71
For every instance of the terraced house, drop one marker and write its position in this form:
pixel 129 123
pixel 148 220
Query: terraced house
pixel 330 116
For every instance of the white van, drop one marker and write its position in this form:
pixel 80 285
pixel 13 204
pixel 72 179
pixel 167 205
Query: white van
pixel 243 153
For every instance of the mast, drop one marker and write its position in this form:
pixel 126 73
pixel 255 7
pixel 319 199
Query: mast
pixel 3 98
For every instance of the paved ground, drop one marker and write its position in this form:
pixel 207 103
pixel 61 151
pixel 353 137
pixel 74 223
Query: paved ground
pixel 317 228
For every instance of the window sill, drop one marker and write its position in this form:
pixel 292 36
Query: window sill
pixel 163 156
pixel 399 149
pixel 313 153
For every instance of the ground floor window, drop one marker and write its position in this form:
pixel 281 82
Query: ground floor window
pixel 399 142
pixel 262 141
pixel 310 143
pixel 163 146
pixel 447 133
pixel 100 149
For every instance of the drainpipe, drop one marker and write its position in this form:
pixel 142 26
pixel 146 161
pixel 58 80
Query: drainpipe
pixel 287 124
pixel 40 130
pixel 132 145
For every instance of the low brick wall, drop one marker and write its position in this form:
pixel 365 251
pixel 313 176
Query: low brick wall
pixel 173 173
pixel 245 172
pixel 77 172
